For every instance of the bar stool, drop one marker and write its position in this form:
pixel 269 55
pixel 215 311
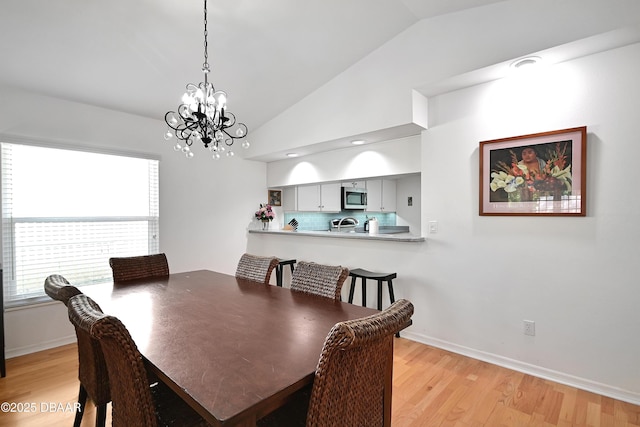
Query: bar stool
pixel 380 277
pixel 280 266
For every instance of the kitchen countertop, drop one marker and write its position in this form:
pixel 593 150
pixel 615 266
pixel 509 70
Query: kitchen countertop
pixel 396 237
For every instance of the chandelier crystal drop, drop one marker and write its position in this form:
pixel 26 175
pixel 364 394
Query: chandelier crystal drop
pixel 203 116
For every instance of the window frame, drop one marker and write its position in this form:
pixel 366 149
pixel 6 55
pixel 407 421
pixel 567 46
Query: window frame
pixel 12 296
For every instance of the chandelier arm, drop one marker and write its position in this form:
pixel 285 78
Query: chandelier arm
pixel 229 141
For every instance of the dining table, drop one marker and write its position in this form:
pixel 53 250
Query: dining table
pixel 233 349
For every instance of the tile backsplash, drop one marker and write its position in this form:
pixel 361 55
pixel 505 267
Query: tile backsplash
pixel 320 220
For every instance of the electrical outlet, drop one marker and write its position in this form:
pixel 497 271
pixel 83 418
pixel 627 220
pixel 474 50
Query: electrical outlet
pixel 409 201
pixel 529 327
pixel 433 227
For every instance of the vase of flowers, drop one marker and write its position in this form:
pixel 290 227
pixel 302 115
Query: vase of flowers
pixel 265 214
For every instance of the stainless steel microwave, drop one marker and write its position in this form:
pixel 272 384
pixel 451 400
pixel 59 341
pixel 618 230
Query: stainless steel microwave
pixel 354 198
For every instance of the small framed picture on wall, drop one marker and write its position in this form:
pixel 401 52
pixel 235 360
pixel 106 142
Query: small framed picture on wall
pixel 275 197
pixel 539 174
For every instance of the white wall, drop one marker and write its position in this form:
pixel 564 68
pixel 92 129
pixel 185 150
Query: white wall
pixel 574 276
pixel 396 157
pixel 205 205
pixel 476 280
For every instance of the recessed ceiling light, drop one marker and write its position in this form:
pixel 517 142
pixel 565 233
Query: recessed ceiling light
pixel 357 142
pixel 292 154
pixel 525 62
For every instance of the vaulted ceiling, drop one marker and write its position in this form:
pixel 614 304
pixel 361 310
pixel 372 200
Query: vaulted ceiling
pixel 136 56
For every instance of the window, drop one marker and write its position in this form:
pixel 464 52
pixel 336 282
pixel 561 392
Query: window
pixel 67 212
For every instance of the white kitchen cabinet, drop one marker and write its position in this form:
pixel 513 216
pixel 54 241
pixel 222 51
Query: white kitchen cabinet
pixel 356 184
pixel 319 197
pixel 381 195
pixel 289 199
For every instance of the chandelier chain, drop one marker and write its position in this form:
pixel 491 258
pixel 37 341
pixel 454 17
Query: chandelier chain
pixel 205 66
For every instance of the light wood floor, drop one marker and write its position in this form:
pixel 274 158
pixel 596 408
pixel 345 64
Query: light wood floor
pixel 431 387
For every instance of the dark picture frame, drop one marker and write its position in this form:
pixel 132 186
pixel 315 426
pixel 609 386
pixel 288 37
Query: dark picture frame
pixel 275 197
pixel 538 174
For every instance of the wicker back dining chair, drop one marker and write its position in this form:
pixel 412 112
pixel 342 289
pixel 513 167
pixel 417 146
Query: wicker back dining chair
pixel 92 370
pixel 349 384
pixel 319 279
pixel 135 401
pixel 256 268
pixel 125 269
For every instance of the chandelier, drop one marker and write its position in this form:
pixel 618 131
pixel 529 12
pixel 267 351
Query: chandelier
pixel 203 116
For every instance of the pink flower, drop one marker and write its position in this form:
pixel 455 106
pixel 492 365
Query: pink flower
pixel 265 213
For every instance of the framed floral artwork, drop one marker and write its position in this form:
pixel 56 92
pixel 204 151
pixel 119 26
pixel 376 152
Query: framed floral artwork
pixel 275 197
pixel 539 174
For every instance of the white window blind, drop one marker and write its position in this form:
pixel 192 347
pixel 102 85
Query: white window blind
pixel 67 212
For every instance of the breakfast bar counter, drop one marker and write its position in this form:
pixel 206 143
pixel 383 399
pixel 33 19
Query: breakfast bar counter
pixel 395 237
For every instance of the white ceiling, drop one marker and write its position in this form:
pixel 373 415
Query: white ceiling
pixel 136 56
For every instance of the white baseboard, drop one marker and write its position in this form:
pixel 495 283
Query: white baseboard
pixel 537 371
pixel 21 351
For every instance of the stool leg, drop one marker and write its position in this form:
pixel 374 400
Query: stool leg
pixel 391 296
pixel 380 295
pixel 363 281
pixel 351 289
pixel 291 266
pixel 279 275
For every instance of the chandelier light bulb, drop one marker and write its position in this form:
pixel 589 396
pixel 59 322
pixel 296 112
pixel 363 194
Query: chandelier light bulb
pixel 221 99
pixel 216 156
pixel 230 153
pixel 245 144
pixel 168 135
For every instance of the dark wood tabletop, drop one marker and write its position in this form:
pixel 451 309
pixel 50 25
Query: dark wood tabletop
pixel 233 349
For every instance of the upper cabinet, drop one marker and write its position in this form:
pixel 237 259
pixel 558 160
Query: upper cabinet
pixel 319 197
pixel 381 195
pixel 354 184
pixel 290 199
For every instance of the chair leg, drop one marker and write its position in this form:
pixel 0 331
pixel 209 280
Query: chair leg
pixel 364 291
pixel 278 275
pixel 101 415
pixel 82 400
pixel 379 295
